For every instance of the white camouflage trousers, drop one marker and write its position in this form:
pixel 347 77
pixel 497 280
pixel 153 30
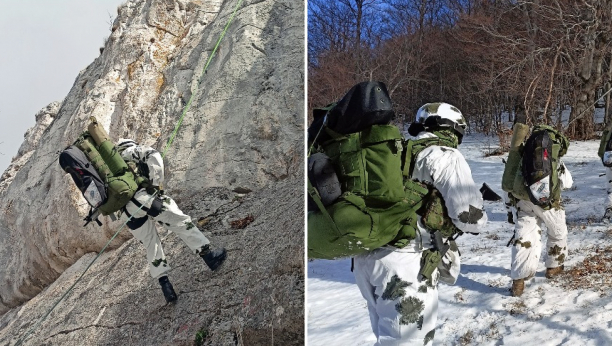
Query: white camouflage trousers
pixel 527 245
pixel 403 310
pixel 171 218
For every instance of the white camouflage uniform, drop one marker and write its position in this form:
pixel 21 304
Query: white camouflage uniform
pixel 608 212
pixel 404 310
pixel 170 216
pixel 527 244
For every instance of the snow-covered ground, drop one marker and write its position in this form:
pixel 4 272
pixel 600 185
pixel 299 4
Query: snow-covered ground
pixel 479 310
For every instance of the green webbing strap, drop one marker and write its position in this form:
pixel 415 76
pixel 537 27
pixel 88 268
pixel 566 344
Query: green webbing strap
pixel 352 142
pixel 317 200
pixel 44 317
pixel 421 144
pixel 199 81
pixel 408 160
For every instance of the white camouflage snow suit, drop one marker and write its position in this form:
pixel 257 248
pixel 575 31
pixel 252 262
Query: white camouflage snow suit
pixel 162 210
pixel 527 244
pixel 608 212
pixel 403 310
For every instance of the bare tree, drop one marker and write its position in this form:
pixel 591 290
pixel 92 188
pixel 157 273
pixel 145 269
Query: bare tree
pixel 488 57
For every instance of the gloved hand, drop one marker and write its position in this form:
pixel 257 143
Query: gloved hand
pixel 510 217
pixel 152 189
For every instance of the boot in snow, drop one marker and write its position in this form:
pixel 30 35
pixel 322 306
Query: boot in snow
pixel 518 286
pixel 213 258
pixel 166 287
pixel 551 272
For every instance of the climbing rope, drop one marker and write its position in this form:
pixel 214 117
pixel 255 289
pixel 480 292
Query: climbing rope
pixel 170 140
pixel 186 108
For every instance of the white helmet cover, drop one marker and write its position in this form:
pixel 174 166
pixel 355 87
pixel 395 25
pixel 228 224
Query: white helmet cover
pixel 441 114
pixel 125 143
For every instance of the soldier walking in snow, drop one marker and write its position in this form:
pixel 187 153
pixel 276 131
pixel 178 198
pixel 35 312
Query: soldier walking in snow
pixel 399 281
pixel 534 177
pixel 163 210
pixel 605 153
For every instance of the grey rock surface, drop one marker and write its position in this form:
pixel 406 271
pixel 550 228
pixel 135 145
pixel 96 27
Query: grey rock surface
pixel 238 155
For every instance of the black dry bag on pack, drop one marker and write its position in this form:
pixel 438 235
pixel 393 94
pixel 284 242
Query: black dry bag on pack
pixel 538 167
pixel 366 104
pixel 84 175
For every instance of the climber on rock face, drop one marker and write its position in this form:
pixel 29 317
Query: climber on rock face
pixel 163 210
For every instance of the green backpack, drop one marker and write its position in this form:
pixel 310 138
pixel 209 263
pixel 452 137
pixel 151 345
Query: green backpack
pixel 120 180
pixel 528 154
pixel 379 204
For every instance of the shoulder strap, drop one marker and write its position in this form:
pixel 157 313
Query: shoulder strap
pixel 412 148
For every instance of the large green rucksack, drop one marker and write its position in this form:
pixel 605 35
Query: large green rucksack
pixel 115 182
pixel 379 204
pixel 373 204
pixel 533 160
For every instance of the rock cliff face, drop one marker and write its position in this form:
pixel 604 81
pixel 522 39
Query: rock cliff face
pixel 237 156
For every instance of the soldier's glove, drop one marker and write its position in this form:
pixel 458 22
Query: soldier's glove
pixel 153 189
pixel 510 217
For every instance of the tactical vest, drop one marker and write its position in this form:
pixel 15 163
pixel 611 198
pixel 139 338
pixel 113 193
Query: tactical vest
pixel 379 204
pixel 513 179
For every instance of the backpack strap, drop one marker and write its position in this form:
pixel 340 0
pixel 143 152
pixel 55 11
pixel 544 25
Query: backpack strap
pixel 92 216
pixel 408 159
pixel 412 148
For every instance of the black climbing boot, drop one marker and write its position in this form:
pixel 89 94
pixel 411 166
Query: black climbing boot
pixel 213 258
pixel 166 286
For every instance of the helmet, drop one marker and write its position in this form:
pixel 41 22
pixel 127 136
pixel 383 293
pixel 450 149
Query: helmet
pixel 441 114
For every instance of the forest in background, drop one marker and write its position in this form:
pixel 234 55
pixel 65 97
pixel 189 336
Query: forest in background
pixel 492 59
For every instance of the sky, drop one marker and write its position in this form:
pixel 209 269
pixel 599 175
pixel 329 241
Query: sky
pixel 44 46
pixel 573 309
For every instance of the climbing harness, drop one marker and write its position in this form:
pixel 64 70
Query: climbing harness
pixel 170 140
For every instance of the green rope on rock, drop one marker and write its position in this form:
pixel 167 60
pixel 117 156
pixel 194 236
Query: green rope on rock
pixel 186 108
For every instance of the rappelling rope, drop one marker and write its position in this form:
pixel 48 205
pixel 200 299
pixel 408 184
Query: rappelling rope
pixel 186 108
pixel 163 154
